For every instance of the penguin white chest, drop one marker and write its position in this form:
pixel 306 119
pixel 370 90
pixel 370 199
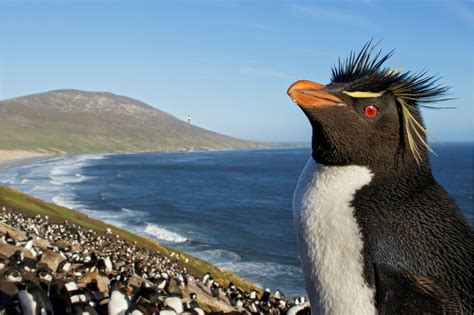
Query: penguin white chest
pixel 27 303
pixel 329 239
pixel 118 303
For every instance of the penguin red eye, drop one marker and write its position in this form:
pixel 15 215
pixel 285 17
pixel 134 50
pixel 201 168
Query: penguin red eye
pixel 371 111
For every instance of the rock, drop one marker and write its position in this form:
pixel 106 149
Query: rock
pixel 8 250
pixel 102 281
pixel 75 248
pixel 135 281
pixel 15 234
pixel 51 259
pixel 174 288
pixel 206 301
pixel 41 243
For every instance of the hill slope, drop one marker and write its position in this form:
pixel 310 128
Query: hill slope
pixel 73 121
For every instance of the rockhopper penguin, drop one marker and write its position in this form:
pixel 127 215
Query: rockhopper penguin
pixel 376 232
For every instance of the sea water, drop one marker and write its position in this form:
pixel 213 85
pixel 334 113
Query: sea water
pixel 231 208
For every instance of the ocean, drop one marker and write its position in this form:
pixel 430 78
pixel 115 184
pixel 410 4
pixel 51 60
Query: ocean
pixel 231 208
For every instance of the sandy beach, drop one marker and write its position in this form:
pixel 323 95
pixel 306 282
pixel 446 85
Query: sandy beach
pixel 13 157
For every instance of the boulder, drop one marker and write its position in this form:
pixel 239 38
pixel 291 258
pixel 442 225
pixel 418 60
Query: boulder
pixel 8 250
pixel 51 259
pixel 135 281
pixel 17 235
pixel 206 301
pixel 102 281
pixel 41 243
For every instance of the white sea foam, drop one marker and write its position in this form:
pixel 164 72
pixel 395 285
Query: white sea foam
pixel 10 180
pixel 253 269
pixel 64 175
pixel 66 201
pixel 217 256
pixel 163 234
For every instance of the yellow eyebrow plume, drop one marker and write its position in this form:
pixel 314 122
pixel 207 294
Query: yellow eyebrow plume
pixel 359 94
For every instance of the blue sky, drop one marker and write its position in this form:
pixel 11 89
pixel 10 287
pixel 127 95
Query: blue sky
pixel 229 63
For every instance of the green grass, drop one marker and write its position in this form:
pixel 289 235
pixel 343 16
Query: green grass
pixel 20 202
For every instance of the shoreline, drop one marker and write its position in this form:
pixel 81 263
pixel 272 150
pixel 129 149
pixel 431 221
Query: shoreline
pixel 10 158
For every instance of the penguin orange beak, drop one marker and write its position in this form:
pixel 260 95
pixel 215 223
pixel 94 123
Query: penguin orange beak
pixel 309 94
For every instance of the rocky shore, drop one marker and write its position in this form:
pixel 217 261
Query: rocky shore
pixel 67 269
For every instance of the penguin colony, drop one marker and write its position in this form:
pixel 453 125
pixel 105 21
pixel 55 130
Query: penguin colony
pixel 50 268
pixel 376 232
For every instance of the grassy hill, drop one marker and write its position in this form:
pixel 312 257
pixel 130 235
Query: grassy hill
pixel 73 121
pixel 14 199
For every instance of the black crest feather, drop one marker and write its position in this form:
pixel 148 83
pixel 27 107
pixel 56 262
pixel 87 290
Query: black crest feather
pixel 366 71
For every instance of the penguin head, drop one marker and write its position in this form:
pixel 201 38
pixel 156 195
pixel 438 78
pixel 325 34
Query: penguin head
pixel 13 274
pixel 17 256
pixel 368 114
pixel 45 274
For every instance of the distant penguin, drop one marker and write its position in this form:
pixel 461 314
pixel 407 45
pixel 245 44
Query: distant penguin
pixel 45 276
pixel 253 295
pixel 16 258
pixel 253 307
pixel 83 309
pixel 119 302
pixel 13 275
pixel 145 300
pixel 192 307
pixel 60 298
pixel 266 296
pixel 215 290
pixel 376 232
pixel 9 290
pixel 175 303
pixel 33 299
pixel 64 266
pixel 206 278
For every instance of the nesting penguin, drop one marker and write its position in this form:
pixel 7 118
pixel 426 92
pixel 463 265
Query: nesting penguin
pixel 376 232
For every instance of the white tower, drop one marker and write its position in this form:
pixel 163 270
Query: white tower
pixel 189 119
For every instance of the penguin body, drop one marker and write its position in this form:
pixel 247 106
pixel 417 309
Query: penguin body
pixel 376 232
pixel 175 303
pixel 215 290
pixel 393 255
pixel 33 299
pixel 118 303
pixel 83 309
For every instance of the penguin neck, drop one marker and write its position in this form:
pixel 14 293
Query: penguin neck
pixel 398 168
